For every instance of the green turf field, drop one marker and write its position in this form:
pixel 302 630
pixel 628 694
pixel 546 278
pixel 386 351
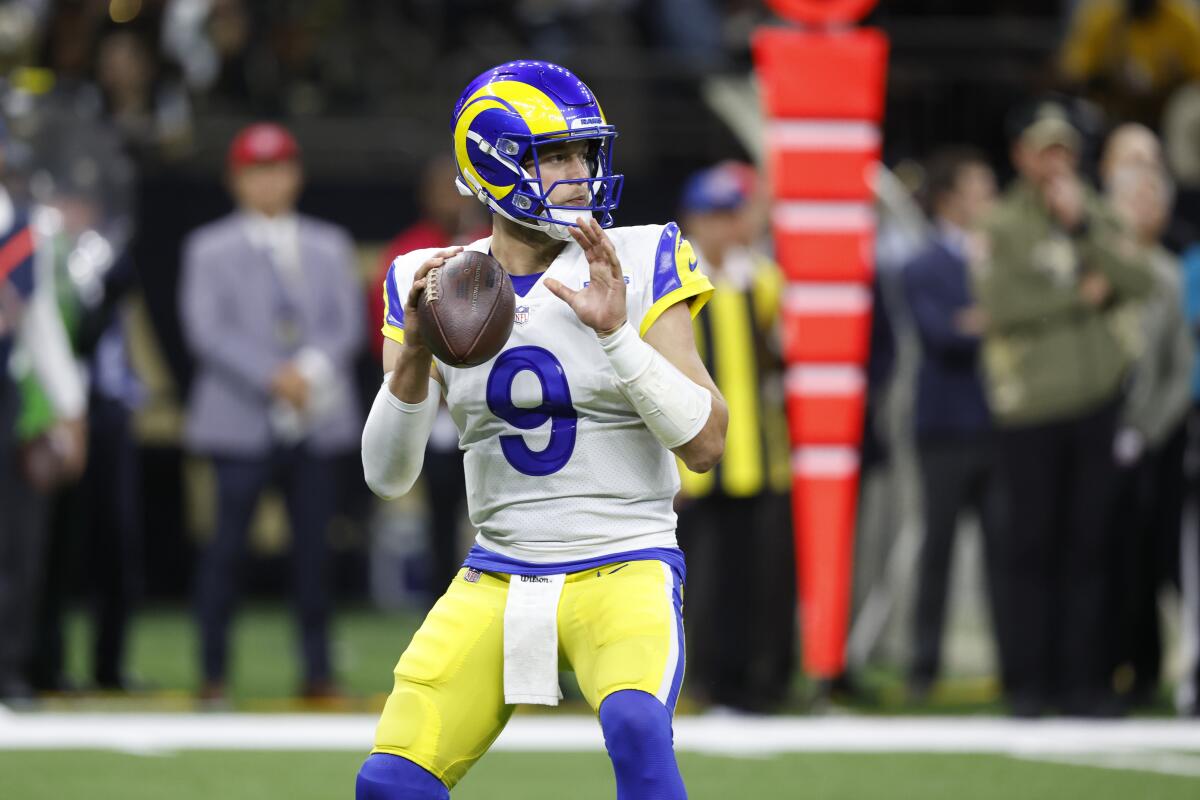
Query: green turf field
pixel 532 776
pixel 366 645
pixel 265 664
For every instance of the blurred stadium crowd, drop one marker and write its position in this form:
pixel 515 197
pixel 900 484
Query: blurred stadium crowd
pixel 1034 346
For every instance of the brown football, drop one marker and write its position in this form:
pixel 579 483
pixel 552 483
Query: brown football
pixel 466 310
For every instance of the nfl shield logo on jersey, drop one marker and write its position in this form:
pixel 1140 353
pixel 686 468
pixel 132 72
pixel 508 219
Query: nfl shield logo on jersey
pixel 521 315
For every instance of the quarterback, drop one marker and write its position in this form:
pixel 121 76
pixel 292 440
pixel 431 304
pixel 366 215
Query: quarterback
pixel 570 436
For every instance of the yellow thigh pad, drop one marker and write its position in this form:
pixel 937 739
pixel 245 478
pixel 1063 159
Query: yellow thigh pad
pixel 621 627
pixel 447 703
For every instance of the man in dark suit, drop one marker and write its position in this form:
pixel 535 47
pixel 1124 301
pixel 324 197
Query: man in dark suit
pixel 953 424
pixel 274 318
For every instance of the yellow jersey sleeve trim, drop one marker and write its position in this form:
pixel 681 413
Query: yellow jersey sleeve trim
pixel 696 291
pixel 393 333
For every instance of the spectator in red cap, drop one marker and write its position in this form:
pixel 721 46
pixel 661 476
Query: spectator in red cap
pixel 262 143
pixel 272 314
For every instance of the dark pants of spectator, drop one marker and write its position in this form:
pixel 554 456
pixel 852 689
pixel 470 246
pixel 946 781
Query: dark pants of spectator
pixel 96 541
pixel 1061 479
pixel 446 493
pixel 739 603
pixel 1190 562
pixel 22 519
pixel 1149 522
pixel 307 482
pixel 957 474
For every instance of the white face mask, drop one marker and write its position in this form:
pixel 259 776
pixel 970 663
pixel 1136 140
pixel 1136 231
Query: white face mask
pixel 561 232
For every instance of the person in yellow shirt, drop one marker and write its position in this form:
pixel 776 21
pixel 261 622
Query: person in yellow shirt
pixel 733 520
pixel 1130 55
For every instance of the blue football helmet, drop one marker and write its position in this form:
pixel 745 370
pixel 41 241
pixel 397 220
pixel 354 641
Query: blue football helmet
pixel 499 122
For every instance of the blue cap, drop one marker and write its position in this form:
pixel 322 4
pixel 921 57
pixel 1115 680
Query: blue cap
pixel 724 187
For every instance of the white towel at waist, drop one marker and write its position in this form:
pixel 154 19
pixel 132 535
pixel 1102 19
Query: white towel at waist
pixel 531 639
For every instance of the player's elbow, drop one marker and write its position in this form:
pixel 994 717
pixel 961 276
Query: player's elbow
pixel 704 451
pixel 703 462
pixel 386 478
pixel 383 488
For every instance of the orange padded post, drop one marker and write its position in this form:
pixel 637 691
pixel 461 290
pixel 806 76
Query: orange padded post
pixel 826 323
pixel 824 500
pixel 825 404
pixel 823 92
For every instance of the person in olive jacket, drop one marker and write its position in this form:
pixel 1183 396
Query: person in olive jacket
pixel 1051 269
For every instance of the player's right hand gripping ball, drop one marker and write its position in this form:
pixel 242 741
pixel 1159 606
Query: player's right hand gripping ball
pixel 466 310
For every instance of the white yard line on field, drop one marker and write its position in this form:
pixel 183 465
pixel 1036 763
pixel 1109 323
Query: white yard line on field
pixel 735 736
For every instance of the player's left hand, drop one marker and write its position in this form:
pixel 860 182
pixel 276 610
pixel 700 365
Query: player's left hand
pixel 601 304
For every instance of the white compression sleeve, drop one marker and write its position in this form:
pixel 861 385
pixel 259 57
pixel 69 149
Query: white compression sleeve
pixel 394 438
pixel 673 406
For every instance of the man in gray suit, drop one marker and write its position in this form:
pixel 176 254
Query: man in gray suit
pixel 273 316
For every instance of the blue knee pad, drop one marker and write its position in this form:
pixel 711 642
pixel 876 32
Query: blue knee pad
pixel 387 777
pixel 637 733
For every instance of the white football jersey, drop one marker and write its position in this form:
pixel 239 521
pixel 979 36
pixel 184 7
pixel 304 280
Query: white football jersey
pixel 559 466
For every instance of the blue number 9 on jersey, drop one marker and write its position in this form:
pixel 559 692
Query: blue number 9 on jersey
pixel 555 408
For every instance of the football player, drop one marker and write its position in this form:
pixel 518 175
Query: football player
pixel 569 435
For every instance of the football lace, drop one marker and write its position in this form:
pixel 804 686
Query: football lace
pixel 432 282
